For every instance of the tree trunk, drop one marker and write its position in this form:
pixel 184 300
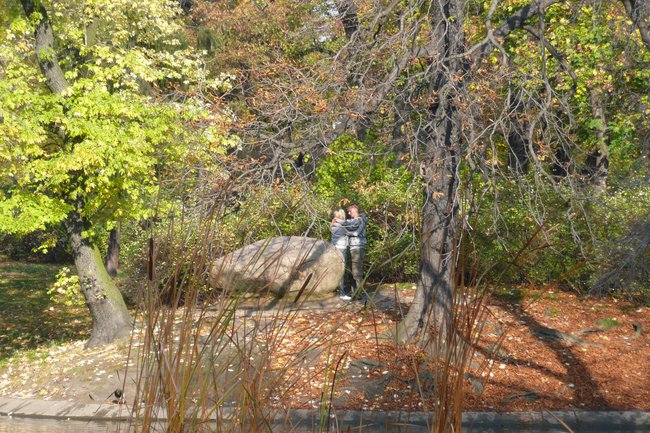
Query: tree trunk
pixel 110 316
pixel 597 163
pixel 44 44
pixel 440 138
pixel 112 260
pixel 433 299
pixel 518 143
pixel 111 319
pixel 349 18
pixel 639 13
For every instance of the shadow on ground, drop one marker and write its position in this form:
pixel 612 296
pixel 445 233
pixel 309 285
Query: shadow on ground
pixel 29 318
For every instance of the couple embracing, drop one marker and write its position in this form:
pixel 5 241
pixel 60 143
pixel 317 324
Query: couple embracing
pixel 350 233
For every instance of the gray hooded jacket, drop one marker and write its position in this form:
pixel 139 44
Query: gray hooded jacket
pixel 357 231
pixel 339 234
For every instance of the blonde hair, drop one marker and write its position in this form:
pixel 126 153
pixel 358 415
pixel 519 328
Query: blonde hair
pixel 339 214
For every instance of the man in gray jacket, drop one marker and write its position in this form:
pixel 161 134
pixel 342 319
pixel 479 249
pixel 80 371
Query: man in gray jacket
pixel 356 228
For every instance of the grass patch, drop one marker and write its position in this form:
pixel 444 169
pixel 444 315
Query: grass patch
pixel 608 324
pixel 555 297
pixel 29 318
pixel 552 312
pixel 509 295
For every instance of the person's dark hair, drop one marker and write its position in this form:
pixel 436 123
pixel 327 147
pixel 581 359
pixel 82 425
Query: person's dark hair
pixel 353 206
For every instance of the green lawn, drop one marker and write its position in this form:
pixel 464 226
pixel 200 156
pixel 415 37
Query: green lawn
pixel 28 318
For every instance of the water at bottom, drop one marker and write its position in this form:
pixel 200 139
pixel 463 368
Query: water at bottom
pixel 24 425
pixel 29 425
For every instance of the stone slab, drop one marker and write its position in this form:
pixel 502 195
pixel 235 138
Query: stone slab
pixel 638 421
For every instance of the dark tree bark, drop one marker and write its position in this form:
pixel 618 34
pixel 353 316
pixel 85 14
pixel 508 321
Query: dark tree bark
pixel 432 304
pixel 597 163
pixel 639 13
pixel 515 21
pixel 112 259
pixel 440 138
pixel 442 148
pixel 186 6
pixel 518 157
pixel 400 118
pixel 518 143
pixel 561 161
pixel 110 316
pixel 44 44
pixel 348 12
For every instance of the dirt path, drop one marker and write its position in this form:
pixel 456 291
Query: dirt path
pixel 537 366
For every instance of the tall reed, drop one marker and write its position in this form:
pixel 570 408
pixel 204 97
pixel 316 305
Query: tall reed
pixel 217 360
pixel 213 361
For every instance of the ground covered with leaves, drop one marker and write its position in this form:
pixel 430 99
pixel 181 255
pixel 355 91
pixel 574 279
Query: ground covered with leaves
pixel 540 348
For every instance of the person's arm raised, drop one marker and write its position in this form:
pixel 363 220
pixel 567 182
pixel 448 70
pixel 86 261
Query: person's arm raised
pixel 352 226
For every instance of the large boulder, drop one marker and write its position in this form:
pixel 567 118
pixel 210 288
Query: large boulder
pixel 281 266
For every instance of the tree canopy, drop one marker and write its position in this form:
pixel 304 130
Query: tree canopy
pixel 99 103
pixel 119 122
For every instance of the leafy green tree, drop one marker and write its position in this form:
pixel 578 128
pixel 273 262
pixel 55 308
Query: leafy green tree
pixel 576 98
pixel 89 125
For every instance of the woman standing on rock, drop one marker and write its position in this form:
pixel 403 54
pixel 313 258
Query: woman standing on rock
pixel 340 241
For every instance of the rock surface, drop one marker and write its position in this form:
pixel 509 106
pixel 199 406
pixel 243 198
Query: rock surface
pixel 281 266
